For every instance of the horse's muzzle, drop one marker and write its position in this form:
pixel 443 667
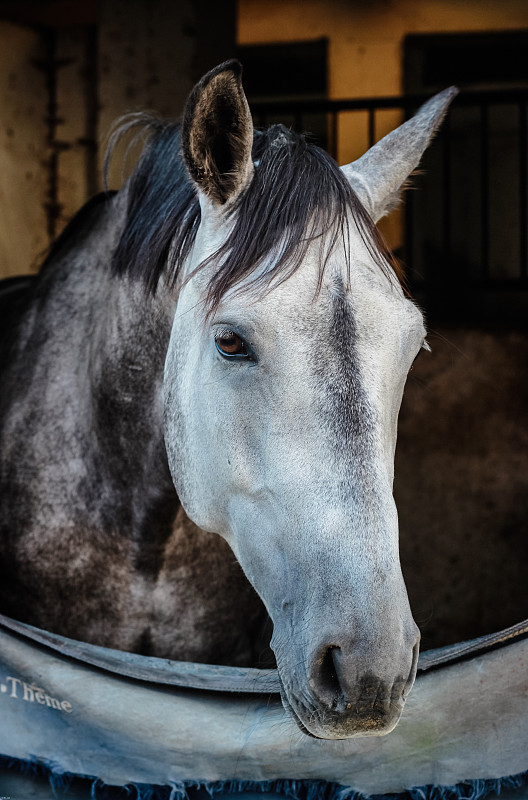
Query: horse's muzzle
pixel 342 703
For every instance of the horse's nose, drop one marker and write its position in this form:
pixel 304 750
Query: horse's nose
pixel 365 694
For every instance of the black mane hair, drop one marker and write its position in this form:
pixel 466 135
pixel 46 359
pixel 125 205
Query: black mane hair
pixel 298 195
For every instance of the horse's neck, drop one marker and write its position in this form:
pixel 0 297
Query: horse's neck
pixel 91 354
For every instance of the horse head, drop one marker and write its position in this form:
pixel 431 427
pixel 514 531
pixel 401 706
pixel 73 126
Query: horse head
pixel 289 351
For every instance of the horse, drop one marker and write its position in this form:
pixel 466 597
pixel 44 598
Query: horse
pixel 200 394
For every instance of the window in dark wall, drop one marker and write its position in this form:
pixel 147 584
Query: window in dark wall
pixel 293 71
pixel 466 237
pixel 469 60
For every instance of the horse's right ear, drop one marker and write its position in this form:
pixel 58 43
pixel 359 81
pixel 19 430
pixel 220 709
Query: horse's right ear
pixel 217 134
pixel 378 176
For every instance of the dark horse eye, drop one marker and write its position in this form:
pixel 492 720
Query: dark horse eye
pixel 230 344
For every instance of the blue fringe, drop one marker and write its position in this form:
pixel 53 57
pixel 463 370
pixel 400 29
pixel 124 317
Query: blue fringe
pixel 61 782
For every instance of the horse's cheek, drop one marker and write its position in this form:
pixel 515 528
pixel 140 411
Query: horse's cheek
pixel 174 429
pixel 188 441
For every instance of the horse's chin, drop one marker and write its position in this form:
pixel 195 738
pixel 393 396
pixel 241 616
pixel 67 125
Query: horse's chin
pixel 343 724
pixel 345 727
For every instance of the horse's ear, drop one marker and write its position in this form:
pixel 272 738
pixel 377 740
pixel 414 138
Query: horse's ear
pixel 217 134
pixel 378 176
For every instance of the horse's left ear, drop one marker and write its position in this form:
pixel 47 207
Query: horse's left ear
pixel 217 134
pixel 378 176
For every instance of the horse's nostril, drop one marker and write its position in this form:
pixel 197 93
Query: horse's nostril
pixel 326 684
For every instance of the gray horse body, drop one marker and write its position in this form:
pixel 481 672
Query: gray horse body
pixel 94 543
pixel 263 371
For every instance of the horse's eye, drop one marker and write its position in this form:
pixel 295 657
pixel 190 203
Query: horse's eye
pixel 230 345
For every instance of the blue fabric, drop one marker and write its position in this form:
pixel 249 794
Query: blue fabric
pixel 463 725
pixel 61 783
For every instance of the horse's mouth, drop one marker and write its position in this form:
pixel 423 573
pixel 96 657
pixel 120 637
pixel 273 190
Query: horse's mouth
pixel 354 720
pixel 288 707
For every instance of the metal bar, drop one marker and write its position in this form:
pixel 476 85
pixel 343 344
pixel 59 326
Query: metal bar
pixel 334 142
pixel 523 191
pixel 446 186
pixel 408 242
pixel 484 189
pixel 495 97
pixel 412 274
pixel 371 126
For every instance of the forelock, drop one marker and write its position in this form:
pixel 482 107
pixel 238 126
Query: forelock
pixel 298 197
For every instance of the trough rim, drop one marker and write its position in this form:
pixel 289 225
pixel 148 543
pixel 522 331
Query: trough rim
pixel 217 678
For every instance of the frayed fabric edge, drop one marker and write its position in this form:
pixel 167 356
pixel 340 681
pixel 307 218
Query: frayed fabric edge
pixel 60 782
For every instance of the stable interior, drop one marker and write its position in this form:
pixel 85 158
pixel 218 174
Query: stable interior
pixel 461 484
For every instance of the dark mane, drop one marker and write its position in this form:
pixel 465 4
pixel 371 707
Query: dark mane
pixel 298 195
